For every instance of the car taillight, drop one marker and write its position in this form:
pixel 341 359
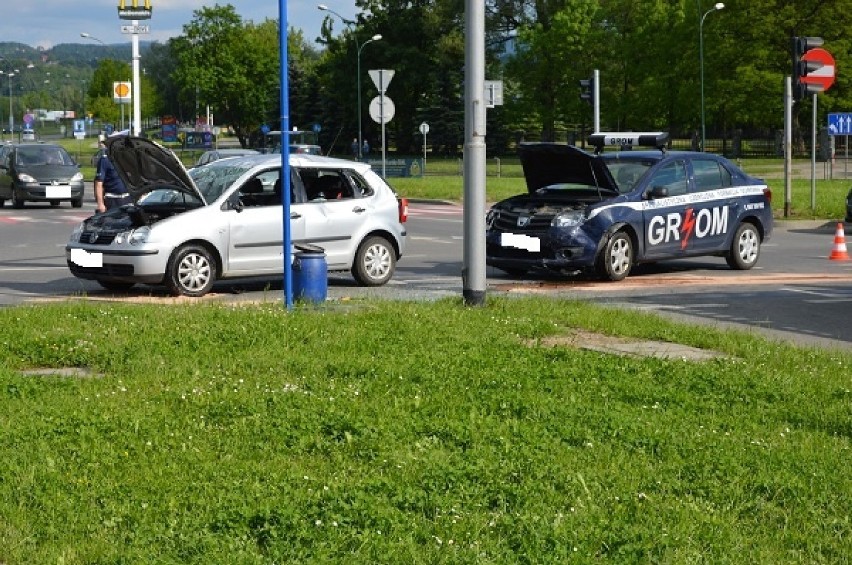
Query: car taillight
pixel 403 209
pixel 767 192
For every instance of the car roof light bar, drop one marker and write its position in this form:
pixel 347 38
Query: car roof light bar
pixel 628 140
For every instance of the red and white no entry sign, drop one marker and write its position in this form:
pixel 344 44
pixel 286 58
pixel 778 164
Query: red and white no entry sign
pixel 822 77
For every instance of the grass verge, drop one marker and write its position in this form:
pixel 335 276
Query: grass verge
pixel 400 432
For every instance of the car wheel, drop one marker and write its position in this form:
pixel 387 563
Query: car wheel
pixel 2 202
pixel 617 257
pixel 17 201
pixel 375 262
pixel 116 285
pixel 77 203
pixel 745 248
pixel 54 202
pixel 191 271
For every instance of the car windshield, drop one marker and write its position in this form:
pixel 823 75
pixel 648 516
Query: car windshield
pixel 215 179
pixel 42 155
pixel 169 196
pixel 628 173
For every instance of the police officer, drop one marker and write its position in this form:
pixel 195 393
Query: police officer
pixel 110 191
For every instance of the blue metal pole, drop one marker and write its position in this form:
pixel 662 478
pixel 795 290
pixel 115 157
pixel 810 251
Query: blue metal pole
pixel 287 255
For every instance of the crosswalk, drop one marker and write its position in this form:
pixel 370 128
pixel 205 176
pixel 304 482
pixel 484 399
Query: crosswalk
pixel 433 210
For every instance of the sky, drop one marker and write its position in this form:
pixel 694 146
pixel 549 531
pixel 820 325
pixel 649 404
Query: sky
pixel 45 23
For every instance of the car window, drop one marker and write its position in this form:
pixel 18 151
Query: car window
pixel 326 184
pixel 362 187
pixel 263 189
pixel 672 177
pixel 710 175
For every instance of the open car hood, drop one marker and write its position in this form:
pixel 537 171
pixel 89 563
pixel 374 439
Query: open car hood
pixel 545 164
pixel 145 165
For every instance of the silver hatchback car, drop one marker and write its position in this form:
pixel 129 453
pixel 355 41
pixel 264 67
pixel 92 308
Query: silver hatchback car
pixel 187 229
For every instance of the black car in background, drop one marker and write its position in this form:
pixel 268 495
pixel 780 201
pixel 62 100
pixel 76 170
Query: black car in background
pixel 39 172
pixel 849 206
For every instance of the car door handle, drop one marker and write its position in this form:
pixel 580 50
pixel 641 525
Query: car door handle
pixel 359 210
pixel 295 215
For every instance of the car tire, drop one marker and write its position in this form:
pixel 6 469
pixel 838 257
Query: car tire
pixel 745 248
pixel 115 285
pixel 54 203
pixel 77 203
pixel 616 260
pixel 375 262
pixel 16 201
pixel 2 203
pixel 191 271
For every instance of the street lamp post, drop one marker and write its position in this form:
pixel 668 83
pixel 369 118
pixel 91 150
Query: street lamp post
pixel 717 6
pixel 350 24
pixel 11 112
pixel 376 37
pixel 9 74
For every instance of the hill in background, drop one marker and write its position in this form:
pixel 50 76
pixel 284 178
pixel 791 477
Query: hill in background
pixel 69 54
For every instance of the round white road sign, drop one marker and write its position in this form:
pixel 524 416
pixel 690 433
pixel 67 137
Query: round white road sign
pixel 377 109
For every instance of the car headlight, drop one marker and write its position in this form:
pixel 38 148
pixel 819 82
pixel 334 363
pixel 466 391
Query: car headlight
pixel 569 219
pixel 77 177
pixel 136 236
pixel 78 231
pixel 24 177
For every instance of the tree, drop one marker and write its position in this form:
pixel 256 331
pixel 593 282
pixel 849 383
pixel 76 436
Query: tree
pixel 550 61
pixel 230 66
pixel 160 61
pixel 100 101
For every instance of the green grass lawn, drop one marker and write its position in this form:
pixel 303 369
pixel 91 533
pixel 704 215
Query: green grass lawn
pixel 398 432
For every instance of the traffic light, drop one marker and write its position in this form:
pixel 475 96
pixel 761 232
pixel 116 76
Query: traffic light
pixel 802 45
pixel 587 90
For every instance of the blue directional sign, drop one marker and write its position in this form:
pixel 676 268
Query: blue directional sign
pixel 840 124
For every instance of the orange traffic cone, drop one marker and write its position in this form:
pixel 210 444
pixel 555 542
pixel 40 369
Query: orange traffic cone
pixel 838 252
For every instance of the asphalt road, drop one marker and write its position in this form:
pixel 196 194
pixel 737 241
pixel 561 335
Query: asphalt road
pixel 795 293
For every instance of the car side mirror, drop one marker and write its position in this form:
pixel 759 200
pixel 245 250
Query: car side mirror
pixel 233 202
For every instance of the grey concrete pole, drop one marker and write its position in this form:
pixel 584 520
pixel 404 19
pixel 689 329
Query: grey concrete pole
pixel 788 143
pixel 597 99
pixel 473 270
pixel 137 83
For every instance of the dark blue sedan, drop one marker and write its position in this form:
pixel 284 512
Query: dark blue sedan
pixel 608 211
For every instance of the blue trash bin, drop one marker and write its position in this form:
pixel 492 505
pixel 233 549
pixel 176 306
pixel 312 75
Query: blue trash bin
pixel 310 274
